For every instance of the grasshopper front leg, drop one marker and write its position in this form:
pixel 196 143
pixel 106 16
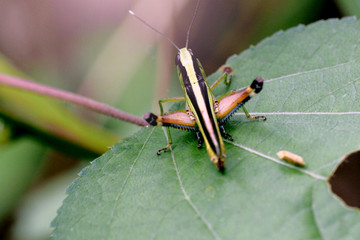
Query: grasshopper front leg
pixel 226 76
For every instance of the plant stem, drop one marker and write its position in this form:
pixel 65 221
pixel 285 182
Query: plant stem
pixel 91 104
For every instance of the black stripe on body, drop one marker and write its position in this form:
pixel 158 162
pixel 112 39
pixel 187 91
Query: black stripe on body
pixel 204 92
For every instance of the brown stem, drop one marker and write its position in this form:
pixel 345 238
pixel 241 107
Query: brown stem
pixel 102 108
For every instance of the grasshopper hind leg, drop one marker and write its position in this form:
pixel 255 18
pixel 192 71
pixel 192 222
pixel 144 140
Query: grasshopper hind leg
pixel 176 119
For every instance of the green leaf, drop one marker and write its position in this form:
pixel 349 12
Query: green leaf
pixel 311 98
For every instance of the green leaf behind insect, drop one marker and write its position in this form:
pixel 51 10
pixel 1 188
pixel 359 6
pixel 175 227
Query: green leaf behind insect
pixel 311 99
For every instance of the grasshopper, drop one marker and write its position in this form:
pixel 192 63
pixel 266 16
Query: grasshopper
pixel 204 114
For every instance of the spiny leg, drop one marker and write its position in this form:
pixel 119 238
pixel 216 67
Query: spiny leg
pixel 232 101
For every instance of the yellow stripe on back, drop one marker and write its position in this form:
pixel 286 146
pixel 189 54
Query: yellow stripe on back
pixel 187 62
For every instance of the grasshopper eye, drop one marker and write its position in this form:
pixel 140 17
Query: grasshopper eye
pixel 190 51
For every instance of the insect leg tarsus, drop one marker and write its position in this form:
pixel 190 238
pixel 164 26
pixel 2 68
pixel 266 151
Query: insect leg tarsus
pixel 252 117
pixel 168 145
pixel 164 149
pixel 228 79
pixel 224 133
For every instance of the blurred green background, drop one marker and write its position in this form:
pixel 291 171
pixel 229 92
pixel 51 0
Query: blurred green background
pixel 97 49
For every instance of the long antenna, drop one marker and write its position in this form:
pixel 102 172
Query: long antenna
pixel 162 34
pixel 192 21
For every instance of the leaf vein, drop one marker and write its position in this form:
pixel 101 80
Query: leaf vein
pixel 331 93
pixel 301 113
pixel 311 174
pixel 314 214
pixel 188 199
pixel 308 72
pixel 116 202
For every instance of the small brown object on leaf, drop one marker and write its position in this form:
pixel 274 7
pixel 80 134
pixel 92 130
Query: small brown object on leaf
pixel 291 158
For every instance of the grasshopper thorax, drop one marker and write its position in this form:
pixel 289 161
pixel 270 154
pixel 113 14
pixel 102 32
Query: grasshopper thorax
pixel 184 57
pixel 189 67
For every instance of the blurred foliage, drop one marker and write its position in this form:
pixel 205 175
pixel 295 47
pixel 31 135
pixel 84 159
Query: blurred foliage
pixel 20 161
pixel 349 7
pixel 43 203
pixel 48 116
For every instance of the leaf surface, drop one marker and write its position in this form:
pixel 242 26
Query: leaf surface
pixel 311 100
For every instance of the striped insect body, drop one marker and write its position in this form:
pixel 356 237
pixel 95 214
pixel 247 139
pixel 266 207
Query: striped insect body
pixel 204 114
